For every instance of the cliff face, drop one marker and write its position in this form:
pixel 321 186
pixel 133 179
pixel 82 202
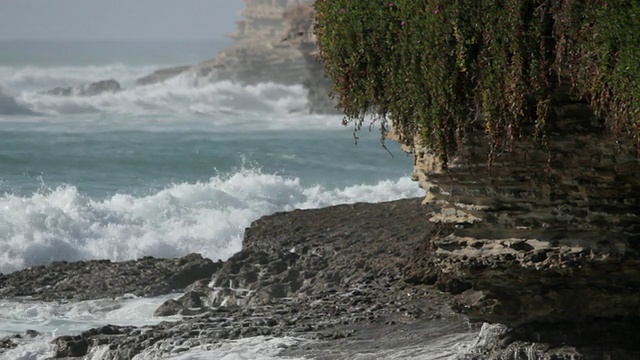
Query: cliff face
pixel 259 53
pixel 301 35
pixel 273 42
pixel 547 239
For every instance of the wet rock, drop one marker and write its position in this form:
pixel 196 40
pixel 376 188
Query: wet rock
pixel 98 279
pixel 322 274
pixel 189 301
pixel 161 75
pixel 92 89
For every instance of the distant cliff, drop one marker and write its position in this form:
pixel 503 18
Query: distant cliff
pixel 258 53
pixel 273 42
pixel 301 35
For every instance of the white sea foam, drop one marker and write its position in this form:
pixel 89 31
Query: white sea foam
pixel 54 319
pixel 178 96
pixel 184 94
pixel 255 348
pixel 207 218
pixel 32 78
pixel 71 318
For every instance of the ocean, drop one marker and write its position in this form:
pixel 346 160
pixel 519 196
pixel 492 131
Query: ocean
pixel 161 170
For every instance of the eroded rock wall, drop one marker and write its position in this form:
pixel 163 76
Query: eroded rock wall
pixel 301 35
pixel 260 52
pixel 546 237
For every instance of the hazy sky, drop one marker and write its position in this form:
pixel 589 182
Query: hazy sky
pixel 118 19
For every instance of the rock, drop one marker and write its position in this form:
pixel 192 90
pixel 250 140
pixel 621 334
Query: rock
pixel 92 89
pixel 258 54
pixel 168 308
pixel 545 239
pixel 97 279
pixel 191 268
pixel 189 301
pixel 162 75
pixel 71 346
pixel 301 35
pixel 321 274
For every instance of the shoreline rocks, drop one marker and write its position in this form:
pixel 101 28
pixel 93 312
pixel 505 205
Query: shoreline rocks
pixel 325 274
pixel 343 276
pixel 96 279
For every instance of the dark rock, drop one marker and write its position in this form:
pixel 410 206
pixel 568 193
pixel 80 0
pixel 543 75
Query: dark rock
pixel 92 89
pixel 298 275
pixel 71 346
pixel 188 301
pixel 85 280
pixel 162 75
pixel 169 308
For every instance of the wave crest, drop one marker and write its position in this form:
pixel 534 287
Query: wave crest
pixel 207 218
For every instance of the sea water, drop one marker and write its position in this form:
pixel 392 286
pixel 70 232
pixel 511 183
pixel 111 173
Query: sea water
pixel 163 170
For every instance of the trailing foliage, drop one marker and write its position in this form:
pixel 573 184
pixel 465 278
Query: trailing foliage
pixel 442 68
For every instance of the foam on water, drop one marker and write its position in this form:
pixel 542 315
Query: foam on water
pixel 255 348
pixel 57 319
pixel 184 94
pixel 177 96
pixel 71 318
pixel 207 218
pixel 37 79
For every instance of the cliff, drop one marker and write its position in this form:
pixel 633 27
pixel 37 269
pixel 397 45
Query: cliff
pixel 525 138
pixel 259 53
pixel 301 35
pixel 273 42
pixel 544 241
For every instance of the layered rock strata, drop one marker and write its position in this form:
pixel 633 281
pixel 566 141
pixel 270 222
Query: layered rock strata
pixel 259 53
pixel 546 238
pixel 273 42
pixel 317 83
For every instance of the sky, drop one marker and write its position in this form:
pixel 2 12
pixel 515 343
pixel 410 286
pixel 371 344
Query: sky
pixel 118 19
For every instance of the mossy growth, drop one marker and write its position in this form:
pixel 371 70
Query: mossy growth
pixel 440 69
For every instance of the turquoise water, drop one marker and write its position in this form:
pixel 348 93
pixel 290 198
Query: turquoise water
pixel 164 170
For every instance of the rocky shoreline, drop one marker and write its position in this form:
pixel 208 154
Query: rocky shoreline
pixel 338 276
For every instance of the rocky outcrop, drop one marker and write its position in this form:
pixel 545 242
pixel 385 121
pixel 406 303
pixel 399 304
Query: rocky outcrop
pixel 161 75
pixel 92 89
pixel 546 238
pixel 98 279
pixel 273 42
pixel 317 83
pixel 329 274
pixel 258 53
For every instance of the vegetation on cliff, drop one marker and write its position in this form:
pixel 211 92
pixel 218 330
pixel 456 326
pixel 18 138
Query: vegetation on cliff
pixel 441 69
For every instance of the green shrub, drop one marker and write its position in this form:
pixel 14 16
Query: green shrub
pixel 440 69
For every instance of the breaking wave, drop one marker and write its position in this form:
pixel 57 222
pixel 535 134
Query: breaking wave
pixel 184 94
pixel 207 218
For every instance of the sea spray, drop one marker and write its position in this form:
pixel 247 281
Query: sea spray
pixel 204 217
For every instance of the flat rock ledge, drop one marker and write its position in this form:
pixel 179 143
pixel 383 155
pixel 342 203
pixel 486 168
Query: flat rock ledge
pixel 97 279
